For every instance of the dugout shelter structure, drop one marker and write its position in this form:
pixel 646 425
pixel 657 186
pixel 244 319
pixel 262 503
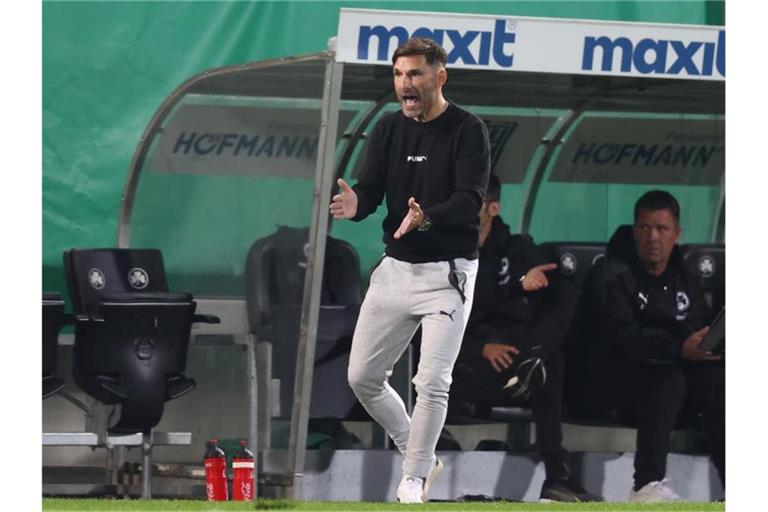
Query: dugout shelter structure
pixel 584 116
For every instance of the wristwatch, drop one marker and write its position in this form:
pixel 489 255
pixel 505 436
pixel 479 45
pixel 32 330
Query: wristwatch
pixel 425 223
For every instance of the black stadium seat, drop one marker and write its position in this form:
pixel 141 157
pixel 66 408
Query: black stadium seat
pixel 574 263
pixel 53 315
pixel 131 334
pixel 708 260
pixel 577 261
pixel 574 259
pixel 275 271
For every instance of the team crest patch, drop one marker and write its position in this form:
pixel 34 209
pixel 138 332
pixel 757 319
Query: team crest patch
pixel 568 264
pixel 706 266
pixel 683 303
pixel 138 278
pixel 96 278
pixel 504 271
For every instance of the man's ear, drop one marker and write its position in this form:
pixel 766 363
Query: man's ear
pixel 494 207
pixel 442 76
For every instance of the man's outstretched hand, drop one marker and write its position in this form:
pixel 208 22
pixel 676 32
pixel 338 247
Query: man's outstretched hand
pixel 536 279
pixel 411 220
pixel 344 204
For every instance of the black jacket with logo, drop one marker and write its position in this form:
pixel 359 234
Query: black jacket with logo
pixel 444 164
pixel 501 311
pixel 640 317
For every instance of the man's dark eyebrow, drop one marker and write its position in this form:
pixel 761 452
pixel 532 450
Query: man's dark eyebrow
pixel 411 72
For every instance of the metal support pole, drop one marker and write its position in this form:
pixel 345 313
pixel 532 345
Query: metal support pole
pixel 718 228
pixel 253 417
pixel 117 460
pixel 310 309
pixel 538 177
pixel 146 467
pixel 266 401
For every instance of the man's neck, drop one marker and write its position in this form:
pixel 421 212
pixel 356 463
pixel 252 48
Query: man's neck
pixel 437 109
pixel 655 269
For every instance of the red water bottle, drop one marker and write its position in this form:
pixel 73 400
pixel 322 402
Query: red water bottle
pixel 215 472
pixel 242 473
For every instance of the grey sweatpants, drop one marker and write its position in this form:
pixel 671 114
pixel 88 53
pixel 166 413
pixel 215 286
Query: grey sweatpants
pixel 401 296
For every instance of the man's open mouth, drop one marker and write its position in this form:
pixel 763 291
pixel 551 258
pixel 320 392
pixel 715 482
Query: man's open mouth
pixel 410 100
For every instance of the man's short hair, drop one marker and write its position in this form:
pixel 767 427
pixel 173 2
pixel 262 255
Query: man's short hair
pixel 493 192
pixel 658 200
pixel 432 52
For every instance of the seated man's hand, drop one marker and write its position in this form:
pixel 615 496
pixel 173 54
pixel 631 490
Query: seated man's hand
pixel 500 355
pixel 535 279
pixel 691 350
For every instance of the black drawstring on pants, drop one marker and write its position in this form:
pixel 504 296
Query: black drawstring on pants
pixel 458 280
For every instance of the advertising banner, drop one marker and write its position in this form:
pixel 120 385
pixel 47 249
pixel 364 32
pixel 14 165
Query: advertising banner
pixel 239 140
pixel 547 45
pixel 653 152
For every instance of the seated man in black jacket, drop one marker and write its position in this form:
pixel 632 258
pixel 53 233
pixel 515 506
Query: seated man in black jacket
pixel 511 347
pixel 651 318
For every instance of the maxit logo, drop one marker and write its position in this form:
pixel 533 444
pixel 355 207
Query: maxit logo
pixel 658 57
pixel 492 45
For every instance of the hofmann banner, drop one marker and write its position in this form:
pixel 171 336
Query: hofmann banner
pixel 242 141
pixel 653 152
pixel 546 45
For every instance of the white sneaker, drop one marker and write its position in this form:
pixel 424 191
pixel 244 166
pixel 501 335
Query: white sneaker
pixel 654 492
pixel 410 490
pixel 439 466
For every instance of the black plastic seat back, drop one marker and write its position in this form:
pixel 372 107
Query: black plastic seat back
pixel 574 259
pixel 53 311
pixel 131 334
pixel 93 274
pixel 275 272
pixel 707 261
pixel 577 262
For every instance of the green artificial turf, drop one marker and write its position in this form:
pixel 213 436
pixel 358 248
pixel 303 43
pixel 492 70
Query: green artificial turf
pixel 86 505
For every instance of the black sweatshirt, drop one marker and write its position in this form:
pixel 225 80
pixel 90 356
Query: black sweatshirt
pixel 444 164
pixel 536 323
pixel 642 317
pixel 501 311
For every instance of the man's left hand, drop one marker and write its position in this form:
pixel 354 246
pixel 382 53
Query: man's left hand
pixel 411 220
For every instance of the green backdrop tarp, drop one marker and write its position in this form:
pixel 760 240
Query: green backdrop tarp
pixel 108 66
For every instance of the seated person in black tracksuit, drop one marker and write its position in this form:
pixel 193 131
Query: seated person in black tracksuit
pixel 511 347
pixel 651 316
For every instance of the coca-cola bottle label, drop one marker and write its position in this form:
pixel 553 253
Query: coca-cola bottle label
pixel 242 480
